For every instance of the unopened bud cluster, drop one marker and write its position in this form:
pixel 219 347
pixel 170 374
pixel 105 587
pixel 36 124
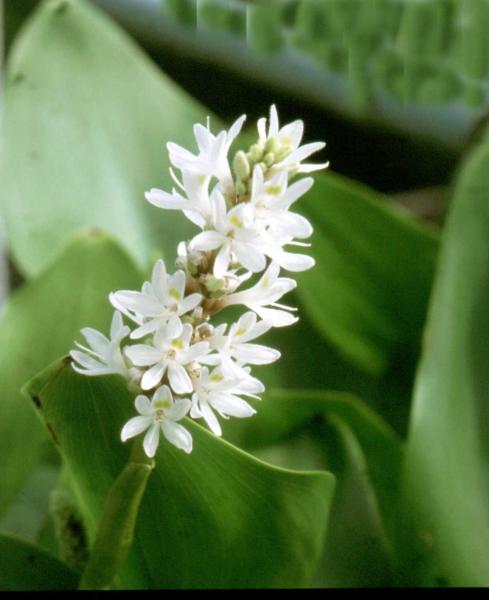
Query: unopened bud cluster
pixel 172 351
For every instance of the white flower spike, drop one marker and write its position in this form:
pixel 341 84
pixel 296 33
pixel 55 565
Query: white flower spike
pixel 245 221
pixel 159 415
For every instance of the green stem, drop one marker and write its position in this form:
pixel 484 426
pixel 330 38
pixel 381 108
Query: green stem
pixel 116 529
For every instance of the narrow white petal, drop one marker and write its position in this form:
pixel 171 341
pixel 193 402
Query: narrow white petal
pixel 189 303
pixel 255 354
pixel 162 199
pixel 222 260
pixel 296 190
pixel 210 418
pixel 135 426
pixel 96 340
pixel 276 318
pixel 147 328
pixel 273 124
pixel 117 328
pixel 310 167
pixel 235 129
pixel 174 328
pixel 250 257
pixel 159 279
pixel 195 352
pixel 153 376
pixel 151 439
pixel 203 136
pixel 232 406
pixel 162 393
pixel 292 262
pixel 178 410
pixel 291 224
pixel 140 303
pixel 195 217
pixel 86 361
pixel 262 129
pixel 293 131
pixel 177 435
pixel 143 405
pixel 179 379
pixel 207 240
pixel 143 355
pixel 303 152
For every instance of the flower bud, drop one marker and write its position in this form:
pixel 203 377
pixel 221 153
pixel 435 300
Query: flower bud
pixel 241 166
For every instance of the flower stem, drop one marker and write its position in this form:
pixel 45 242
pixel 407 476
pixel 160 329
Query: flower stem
pixel 116 529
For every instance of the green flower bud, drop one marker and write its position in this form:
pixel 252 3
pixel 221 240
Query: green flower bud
pixel 241 165
pixel 255 153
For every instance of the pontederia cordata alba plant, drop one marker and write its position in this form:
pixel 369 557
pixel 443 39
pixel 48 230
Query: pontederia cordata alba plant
pixel 177 361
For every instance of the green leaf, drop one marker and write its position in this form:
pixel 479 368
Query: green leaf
pixel 28 512
pixel 447 482
pixel 336 431
pixel 40 323
pixel 215 518
pixel 115 534
pixel 23 567
pixel 367 292
pixel 87 120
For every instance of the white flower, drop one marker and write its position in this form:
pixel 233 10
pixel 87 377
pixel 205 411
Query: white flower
pixel 195 204
pixel 272 199
pixel 235 345
pixel 161 414
pixel 235 235
pixel 264 294
pixel 211 160
pixel 217 392
pixel 285 144
pixel 104 356
pixel 161 299
pixel 171 351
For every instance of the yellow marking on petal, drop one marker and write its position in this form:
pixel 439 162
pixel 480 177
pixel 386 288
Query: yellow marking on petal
pixel 265 282
pixel 240 331
pixel 177 344
pixel 174 294
pixel 236 222
pixel 273 190
pixel 216 377
pixel 162 404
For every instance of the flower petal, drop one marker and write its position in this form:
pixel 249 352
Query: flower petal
pixel 179 409
pixel 153 376
pixel 143 406
pixel 143 355
pixel 177 435
pixel 135 426
pixel 151 440
pixel 179 379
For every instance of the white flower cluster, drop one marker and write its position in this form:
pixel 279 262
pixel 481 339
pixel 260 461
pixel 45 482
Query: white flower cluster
pixel 190 366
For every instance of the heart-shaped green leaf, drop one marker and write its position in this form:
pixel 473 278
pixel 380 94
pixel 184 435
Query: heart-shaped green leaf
pixel 40 323
pixel 215 518
pixel 24 567
pixel 87 117
pixel 448 447
pixel 374 265
pixel 336 431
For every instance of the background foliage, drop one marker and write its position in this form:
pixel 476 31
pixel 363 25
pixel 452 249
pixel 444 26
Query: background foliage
pixel 340 479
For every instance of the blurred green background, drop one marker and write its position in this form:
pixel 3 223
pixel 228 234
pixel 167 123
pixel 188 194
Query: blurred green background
pixel 399 90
